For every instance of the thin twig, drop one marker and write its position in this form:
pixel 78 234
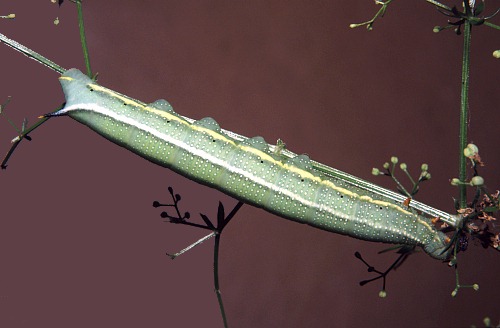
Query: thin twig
pixel 31 54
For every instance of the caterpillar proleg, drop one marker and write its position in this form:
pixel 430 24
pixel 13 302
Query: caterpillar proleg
pixel 248 169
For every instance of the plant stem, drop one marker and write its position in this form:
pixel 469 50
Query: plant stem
pixel 31 54
pixel 438 4
pixel 492 25
pixel 464 114
pixel 83 40
pixel 216 278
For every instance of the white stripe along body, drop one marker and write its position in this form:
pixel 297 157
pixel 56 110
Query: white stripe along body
pixel 246 170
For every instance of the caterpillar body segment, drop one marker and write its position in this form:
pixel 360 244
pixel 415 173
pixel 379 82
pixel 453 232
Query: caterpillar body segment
pixel 246 168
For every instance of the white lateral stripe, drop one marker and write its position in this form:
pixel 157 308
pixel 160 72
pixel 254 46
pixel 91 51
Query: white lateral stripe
pixel 212 159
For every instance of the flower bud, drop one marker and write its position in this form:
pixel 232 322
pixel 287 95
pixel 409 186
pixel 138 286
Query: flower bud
pixel 477 181
pixel 471 150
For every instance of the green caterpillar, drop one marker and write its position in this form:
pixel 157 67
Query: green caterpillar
pixel 248 168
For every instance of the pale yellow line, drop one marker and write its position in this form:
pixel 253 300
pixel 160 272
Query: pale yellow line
pixel 264 156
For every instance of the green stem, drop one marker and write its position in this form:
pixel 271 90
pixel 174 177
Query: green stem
pixel 31 54
pixel 83 40
pixel 464 115
pixel 492 25
pixel 438 4
pixel 216 278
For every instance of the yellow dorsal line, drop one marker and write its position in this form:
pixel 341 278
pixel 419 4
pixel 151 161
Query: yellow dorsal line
pixel 430 228
pixel 264 156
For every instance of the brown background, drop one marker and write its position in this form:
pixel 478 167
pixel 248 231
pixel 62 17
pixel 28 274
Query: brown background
pixel 80 244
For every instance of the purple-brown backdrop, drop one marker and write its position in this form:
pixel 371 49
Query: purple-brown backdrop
pixel 80 244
